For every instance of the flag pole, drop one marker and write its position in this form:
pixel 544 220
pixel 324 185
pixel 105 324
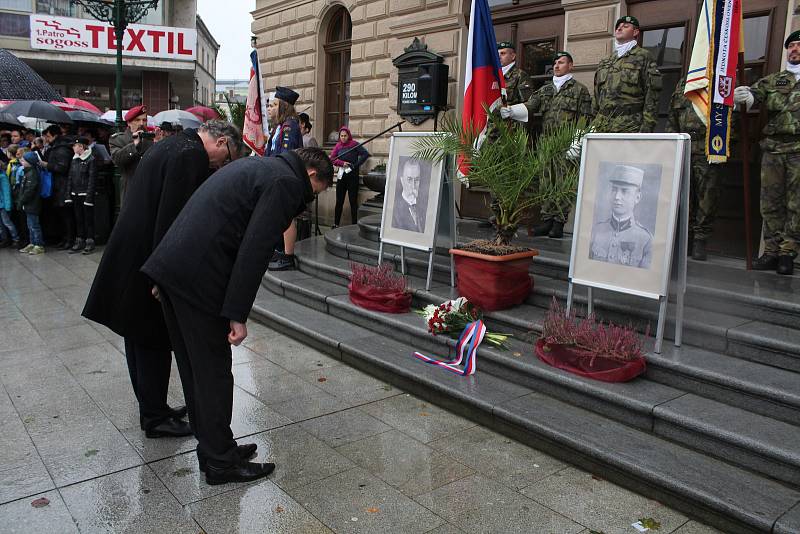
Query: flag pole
pixel 745 144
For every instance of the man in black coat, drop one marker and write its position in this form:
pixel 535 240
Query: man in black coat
pixel 120 297
pixel 57 160
pixel 208 269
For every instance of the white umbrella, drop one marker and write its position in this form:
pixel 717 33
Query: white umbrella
pixel 111 115
pixel 177 116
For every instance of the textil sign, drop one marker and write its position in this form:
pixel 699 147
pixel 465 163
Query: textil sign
pixel 93 37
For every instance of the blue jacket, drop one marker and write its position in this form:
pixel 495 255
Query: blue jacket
pixel 5 192
pixel 288 138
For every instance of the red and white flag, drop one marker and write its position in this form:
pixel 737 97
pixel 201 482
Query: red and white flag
pixel 256 129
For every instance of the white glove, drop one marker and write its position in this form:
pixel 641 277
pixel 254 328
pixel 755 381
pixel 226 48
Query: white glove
pixel 743 95
pixel 574 151
pixel 517 112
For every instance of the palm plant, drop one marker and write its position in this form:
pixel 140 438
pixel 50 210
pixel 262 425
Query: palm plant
pixel 517 176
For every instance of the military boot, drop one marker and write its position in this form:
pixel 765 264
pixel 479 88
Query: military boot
pixel 77 246
pixel 542 228
pixel 785 264
pixel 557 231
pixel 699 250
pixel 767 262
pixel 89 247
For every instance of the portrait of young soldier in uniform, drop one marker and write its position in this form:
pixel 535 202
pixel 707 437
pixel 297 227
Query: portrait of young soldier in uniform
pixel 618 237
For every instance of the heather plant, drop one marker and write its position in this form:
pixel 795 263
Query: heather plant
pixel 380 277
pixel 592 336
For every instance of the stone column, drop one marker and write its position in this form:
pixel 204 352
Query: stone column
pixel 589 29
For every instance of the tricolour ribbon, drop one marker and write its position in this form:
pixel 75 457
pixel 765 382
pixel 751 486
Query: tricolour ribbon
pixel 466 351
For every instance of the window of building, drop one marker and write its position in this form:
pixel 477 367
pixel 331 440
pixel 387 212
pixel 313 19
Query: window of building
pixel 337 73
pixel 538 60
pixel 14 25
pixel 17 5
pixel 155 16
pixel 666 46
pixel 57 8
pixel 756 30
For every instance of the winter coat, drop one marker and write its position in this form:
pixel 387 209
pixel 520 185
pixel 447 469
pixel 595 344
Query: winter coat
pixel 5 192
pixel 218 249
pixel 82 178
pixel 30 194
pixel 289 138
pixel 126 156
pixel 59 159
pixel 120 296
pixel 354 156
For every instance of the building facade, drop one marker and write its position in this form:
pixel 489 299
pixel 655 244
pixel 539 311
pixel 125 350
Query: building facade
pixel 338 55
pixel 162 62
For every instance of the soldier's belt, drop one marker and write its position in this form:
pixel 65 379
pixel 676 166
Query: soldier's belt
pixel 620 110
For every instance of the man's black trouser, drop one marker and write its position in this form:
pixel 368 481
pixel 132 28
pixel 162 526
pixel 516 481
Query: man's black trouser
pixel 149 370
pixel 203 354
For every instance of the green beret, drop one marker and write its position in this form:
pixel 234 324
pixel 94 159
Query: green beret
pixel 794 36
pixel 506 44
pixel 562 53
pixel 629 20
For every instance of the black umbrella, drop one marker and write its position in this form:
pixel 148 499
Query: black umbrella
pixel 38 109
pixel 84 118
pixel 9 121
pixel 20 82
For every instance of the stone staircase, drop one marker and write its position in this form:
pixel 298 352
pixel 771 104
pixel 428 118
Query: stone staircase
pixel 712 428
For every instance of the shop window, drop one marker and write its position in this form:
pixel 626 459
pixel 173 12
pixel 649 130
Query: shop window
pixel 131 98
pixel 14 25
pixel 337 73
pixel 57 8
pixel 17 5
pixel 537 60
pixel 666 46
pixel 97 95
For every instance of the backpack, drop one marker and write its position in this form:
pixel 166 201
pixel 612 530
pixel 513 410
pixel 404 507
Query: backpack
pixel 46 181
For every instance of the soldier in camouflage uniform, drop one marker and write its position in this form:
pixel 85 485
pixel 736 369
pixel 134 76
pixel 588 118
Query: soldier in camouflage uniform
pixel 705 176
pixel 560 100
pixel 518 83
pixel 627 84
pixel 780 160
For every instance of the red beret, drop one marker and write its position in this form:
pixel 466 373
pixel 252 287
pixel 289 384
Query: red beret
pixel 135 112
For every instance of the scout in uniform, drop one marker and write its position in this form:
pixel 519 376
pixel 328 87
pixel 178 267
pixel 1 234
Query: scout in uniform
pixel 627 84
pixel 705 176
pixel 560 100
pixel 780 160
pixel 518 83
pixel 621 239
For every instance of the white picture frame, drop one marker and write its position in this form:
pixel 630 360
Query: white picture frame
pixel 410 213
pixel 610 249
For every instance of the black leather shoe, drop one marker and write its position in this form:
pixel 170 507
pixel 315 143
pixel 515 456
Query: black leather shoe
pixel 245 452
pixel 171 428
pixel 543 228
pixel 785 264
pixel 699 250
pixel 557 231
pixel 179 412
pixel 243 472
pixel 767 262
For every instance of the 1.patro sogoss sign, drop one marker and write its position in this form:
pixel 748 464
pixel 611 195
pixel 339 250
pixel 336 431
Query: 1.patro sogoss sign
pixel 94 37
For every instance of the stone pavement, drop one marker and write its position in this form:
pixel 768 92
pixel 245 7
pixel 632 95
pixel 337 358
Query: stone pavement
pixel 353 454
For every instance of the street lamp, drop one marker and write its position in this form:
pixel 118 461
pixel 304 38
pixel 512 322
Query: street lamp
pixel 118 13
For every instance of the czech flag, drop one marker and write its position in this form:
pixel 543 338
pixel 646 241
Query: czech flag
pixel 484 84
pixel 256 129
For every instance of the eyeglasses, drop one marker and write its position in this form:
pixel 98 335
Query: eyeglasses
pixel 230 156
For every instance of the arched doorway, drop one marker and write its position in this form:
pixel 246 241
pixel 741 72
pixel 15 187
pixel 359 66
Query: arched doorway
pixel 337 73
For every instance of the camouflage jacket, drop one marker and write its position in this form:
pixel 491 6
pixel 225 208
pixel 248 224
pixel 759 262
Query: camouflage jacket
pixel 518 86
pixel 780 93
pixel 626 89
pixel 568 104
pixel 682 118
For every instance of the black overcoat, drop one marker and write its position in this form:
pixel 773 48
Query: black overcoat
pixel 59 159
pixel 218 249
pixel 120 297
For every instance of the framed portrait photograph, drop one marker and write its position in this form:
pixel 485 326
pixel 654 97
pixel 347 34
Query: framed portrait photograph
pixel 411 200
pixel 626 212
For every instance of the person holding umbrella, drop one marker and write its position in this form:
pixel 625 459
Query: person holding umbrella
pixel 128 147
pixel 57 160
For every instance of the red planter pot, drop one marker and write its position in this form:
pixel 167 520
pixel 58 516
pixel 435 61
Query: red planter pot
pixel 494 282
pixel 580 363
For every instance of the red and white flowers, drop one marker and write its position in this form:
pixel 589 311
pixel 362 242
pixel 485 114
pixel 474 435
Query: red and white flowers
pixel 451 317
